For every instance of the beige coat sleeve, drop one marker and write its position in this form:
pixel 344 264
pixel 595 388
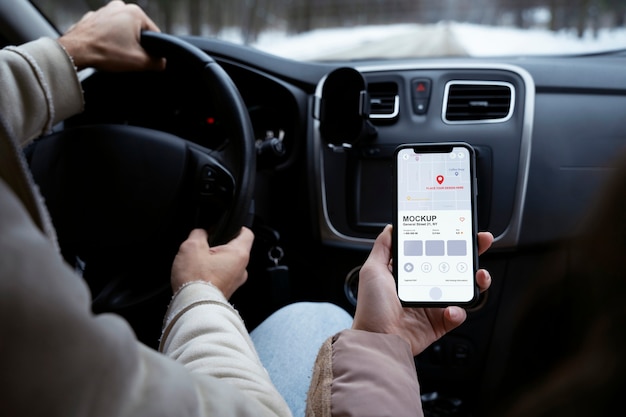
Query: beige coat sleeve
pixel 364 374
pixel 38 87
pixel 204 332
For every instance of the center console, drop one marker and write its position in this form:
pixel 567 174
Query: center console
pixel 489 107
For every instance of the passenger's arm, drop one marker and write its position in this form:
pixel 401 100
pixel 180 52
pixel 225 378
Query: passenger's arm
pixel 379 310
pixel 370 368
pixel 363 374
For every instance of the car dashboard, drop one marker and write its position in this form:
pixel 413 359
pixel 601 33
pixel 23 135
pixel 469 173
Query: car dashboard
pixel 488 106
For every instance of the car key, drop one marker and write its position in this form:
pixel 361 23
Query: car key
pixel 278 276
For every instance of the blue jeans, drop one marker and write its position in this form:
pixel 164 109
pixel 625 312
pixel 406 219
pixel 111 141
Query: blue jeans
pixel 288 342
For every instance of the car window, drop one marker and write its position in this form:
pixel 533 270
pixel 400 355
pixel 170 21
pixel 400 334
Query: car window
pixel 361 29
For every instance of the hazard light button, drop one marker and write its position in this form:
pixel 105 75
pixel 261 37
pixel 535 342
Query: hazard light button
pixel 420 95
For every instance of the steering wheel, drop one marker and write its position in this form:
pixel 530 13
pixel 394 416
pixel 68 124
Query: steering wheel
pixel 123 198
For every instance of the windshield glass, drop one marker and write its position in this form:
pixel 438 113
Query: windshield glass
pixel 360 29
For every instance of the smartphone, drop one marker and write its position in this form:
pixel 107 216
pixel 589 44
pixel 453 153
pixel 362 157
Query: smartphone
pixel 435 253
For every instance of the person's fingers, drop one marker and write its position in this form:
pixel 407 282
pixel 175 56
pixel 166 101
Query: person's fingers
pixel 153 63
pixel 382 246
pixel 148 24
pixel 453 316
pixel 485 239
pixel 244 238
pixel 199 235
pixel 483 279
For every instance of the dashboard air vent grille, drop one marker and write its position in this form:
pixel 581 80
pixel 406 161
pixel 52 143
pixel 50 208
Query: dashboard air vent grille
pixel 384 100
pixel 478 102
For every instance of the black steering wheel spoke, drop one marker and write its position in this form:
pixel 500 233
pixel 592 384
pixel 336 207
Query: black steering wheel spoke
pixel 214 188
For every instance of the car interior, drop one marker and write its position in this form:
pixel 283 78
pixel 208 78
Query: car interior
pixel 301 152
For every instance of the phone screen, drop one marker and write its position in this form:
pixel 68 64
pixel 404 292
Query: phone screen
pixel 435 221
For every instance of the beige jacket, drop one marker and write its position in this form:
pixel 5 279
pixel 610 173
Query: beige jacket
pixel 58 359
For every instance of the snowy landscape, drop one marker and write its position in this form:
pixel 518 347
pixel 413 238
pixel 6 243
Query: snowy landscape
pixel 446 38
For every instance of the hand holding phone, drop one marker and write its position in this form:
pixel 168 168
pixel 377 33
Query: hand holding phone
pixel 435 255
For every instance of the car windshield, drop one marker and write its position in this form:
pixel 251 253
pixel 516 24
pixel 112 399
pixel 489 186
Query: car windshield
pixel 327 30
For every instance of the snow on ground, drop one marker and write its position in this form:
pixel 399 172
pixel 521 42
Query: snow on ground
pixel 476 40
pixel 310 45
pixel 490 41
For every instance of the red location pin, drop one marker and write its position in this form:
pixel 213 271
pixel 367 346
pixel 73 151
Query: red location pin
pixel 439 179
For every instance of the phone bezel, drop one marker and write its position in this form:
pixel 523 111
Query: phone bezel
pixel 438 147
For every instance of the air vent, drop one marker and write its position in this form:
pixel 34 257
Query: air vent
pixel 478 102
pixel 384 100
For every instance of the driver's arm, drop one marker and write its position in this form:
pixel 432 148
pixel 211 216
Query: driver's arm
pixel 59 359
pixel 109 39
pixel 203 331
pixel 39 87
